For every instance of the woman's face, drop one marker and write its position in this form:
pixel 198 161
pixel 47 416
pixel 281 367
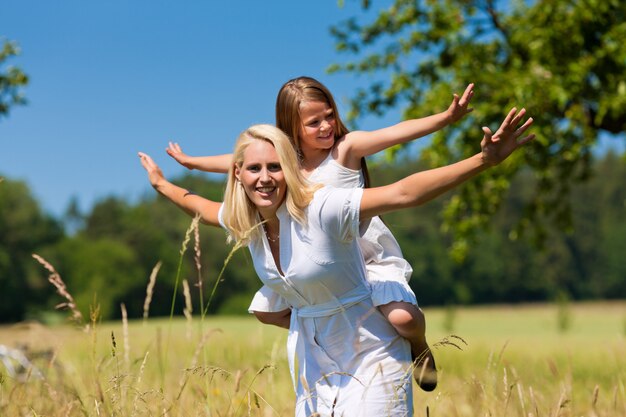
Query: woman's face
pixel 317 130
pixel 262 177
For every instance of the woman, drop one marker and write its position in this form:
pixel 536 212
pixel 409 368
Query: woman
pixel 331 154
pixel 302 238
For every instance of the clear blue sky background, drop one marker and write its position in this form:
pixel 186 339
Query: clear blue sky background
pixel 110 78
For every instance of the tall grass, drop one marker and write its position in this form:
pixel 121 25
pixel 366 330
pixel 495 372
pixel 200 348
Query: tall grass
pixel 237 367
pixel 509 361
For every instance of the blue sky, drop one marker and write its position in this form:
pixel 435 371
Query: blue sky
pixel 110 78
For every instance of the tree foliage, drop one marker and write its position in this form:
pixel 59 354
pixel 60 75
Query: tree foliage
pixel 12 79
pixel 584 263
pixel 564 61
pixel 24 229
pixel 108 258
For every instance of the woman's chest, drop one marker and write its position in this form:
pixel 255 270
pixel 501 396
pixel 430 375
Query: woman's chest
pixel 310 266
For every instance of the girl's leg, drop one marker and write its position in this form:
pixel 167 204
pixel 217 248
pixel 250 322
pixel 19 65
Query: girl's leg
pixel 410 323
pixel 275 318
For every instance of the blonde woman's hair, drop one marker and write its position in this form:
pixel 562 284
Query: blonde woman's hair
pixel 240 215
pixel 301 90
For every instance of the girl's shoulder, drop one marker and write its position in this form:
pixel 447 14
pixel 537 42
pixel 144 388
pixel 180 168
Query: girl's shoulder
pixel 347 140
pixel 342 151
pixel 333 172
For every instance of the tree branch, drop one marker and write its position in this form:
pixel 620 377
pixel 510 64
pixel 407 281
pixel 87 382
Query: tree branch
pixel 495 19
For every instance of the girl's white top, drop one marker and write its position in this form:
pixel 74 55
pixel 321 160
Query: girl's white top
pixel 387 271
pixel 345 357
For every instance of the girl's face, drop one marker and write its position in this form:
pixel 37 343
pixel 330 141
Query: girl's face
pixel 262 177
pixel 317 130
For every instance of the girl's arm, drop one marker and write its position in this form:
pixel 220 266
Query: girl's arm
pixel 359 144
pixel 424 186
pixel 190 203
pixel 217 163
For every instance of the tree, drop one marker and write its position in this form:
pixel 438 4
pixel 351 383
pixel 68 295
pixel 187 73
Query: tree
pixel 24 229
pixel 98 272
pixel 585 263
pixel 12 79
pixel 565 61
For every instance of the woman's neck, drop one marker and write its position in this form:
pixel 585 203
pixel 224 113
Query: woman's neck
pixel 271 226
pixel 268 215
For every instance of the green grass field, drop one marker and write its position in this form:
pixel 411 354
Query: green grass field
pixel 529 360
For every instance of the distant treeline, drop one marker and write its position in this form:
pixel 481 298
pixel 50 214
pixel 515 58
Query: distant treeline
pixel 105 257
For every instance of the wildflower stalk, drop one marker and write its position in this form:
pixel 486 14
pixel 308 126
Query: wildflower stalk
pixel 150 291
pixel 238 245
pixel 55 279
pixel 196 257
pixel 182 251
pixel 235 248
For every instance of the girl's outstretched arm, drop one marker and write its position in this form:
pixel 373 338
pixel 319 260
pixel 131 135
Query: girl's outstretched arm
pixel 424 186
pixel 217 163
pixel 361 143
pixel 190 203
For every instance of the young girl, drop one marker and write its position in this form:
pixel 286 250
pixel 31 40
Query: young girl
pixel 330 154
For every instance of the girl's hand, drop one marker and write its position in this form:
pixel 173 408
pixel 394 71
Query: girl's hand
pixel 460 106
pixel 155 175
pixel 175 151
pixel 496 147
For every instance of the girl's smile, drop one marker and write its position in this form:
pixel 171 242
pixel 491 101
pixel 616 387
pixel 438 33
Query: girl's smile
pixel 318 126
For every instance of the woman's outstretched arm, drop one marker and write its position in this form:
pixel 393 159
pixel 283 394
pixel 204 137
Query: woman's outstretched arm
pixel 190 203
pixel 424 186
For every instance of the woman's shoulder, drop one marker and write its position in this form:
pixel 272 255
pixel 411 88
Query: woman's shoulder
pixel 330 196
pixel 335 210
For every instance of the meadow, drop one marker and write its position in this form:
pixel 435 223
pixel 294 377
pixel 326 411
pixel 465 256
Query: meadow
pixel 523 360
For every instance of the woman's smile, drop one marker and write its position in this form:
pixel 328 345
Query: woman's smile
pixel 262 176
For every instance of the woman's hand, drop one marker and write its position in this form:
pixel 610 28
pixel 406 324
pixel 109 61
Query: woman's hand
pixel 496 147
pixel 189 202
pixel 155 175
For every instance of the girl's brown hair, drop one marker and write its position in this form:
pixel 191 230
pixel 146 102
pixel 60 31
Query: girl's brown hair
pixel 290 97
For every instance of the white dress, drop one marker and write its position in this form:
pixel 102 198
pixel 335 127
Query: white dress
pixel 388 272
pixel 345 357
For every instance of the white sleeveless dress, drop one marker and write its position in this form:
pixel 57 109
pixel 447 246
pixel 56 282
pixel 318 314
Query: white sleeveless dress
pixel 387 271
pixel 345 358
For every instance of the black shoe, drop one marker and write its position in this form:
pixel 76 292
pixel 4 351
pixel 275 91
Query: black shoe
pixel 425 371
